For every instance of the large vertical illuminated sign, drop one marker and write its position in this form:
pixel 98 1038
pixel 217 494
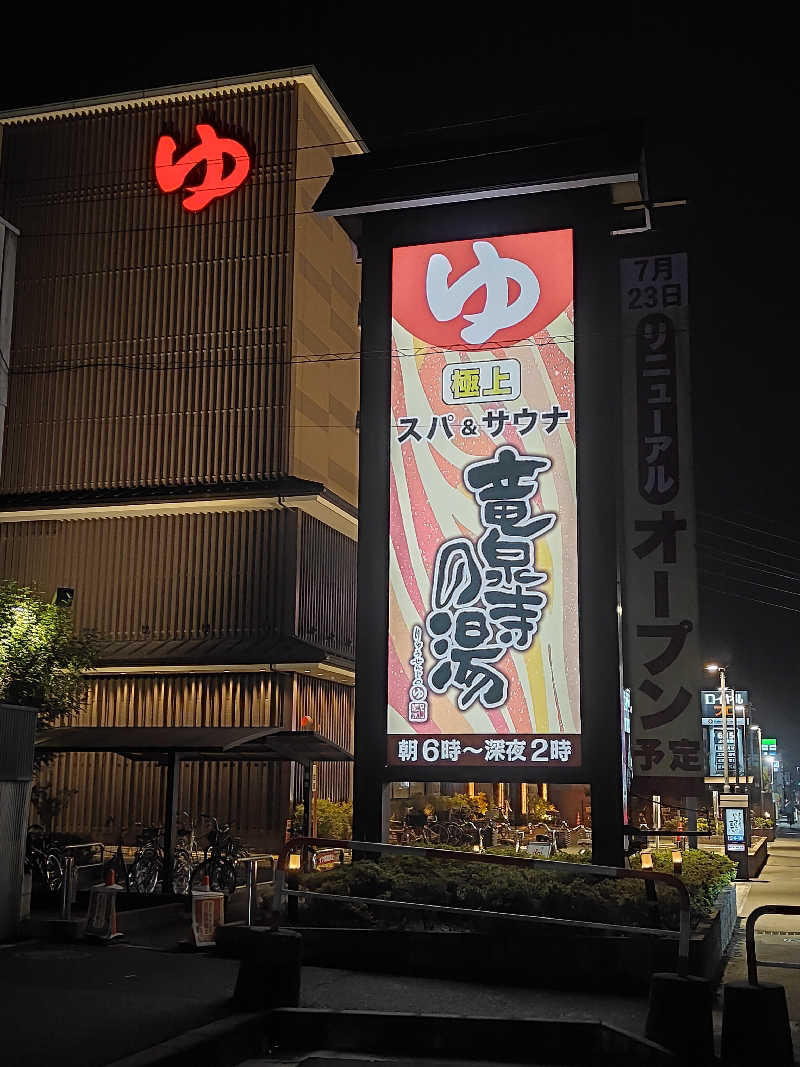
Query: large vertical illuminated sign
pixel 483 585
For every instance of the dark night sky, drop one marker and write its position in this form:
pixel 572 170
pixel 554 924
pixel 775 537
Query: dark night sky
pixel 720 101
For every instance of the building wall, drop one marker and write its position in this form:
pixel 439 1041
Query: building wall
pixel 325 332
pixel 8 261
pixel 153 347
pixel 255 795
pixel 330 707
pixel 151 344
pixel 326 600
pixel 213 587
pixel 172 580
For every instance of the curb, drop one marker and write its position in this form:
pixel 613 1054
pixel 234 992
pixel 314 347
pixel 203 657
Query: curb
pixel 222 1043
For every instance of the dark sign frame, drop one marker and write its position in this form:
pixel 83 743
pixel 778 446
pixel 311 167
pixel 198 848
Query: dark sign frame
pixel 598 392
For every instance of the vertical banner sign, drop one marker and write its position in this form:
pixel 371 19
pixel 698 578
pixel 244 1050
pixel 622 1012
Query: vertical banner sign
pixel 662 663
pixel 483 563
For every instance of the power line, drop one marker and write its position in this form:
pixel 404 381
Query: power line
pixel 146 362
pixel 147 194
pixel 752 600
pixel 733 558
pixel 291 152
pixel 750 544
pixel 748 581
pixel 267 152
pixel 744 526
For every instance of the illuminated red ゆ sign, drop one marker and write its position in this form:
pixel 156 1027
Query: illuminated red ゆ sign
pixel 217 153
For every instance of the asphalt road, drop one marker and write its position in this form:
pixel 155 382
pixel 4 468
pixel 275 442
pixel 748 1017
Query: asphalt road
pixel 89 1005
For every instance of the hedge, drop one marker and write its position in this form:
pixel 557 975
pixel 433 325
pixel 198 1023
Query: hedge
pixel 538 890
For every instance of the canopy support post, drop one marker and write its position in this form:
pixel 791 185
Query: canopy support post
pixel 171 816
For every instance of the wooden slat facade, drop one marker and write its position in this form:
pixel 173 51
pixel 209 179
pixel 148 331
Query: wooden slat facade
pixel 151 345
pixel 153 348
pixel 259 797
pixel 176 585
pixel 176 579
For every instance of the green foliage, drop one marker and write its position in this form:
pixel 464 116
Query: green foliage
pixel 540 810
pixel 333 819
pixel 49 803
pixel 538 889
pixel 705 874
pixel 461 805
pixel 761 822
pixel 42 660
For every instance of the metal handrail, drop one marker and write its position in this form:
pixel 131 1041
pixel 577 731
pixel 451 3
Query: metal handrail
pixel 300 844
pixel 750 938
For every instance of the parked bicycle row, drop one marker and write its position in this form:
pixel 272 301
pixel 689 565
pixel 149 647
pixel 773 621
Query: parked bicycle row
pixel 215 856
pixel 464 831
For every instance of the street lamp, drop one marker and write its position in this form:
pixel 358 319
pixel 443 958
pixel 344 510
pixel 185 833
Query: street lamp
pixel 712 668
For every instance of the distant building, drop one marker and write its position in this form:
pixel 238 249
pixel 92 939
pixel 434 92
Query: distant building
pixel 181 435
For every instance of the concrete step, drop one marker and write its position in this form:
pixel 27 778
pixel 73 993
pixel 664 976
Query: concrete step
pixel 337 1059
pixel 311 1036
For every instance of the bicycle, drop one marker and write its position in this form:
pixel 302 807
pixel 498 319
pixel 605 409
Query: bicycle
pixel 148 863
pixel 462 832
pixel 117 862
pixel 218 863
pixel 44 859
pixel 187 856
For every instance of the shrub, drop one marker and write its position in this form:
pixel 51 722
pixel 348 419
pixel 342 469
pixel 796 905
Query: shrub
pixel 539 889
pixel 42 661
pixel 539 810
pixel 334 819
pixel 705 874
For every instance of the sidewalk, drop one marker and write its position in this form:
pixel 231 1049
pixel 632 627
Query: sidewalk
pixel 777 936
pixel 778 883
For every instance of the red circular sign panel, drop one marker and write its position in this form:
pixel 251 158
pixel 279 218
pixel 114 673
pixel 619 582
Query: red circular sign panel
pixel 548 254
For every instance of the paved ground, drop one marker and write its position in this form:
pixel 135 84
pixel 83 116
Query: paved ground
pixel 778 883
pixel 777 936
pixel 90 1005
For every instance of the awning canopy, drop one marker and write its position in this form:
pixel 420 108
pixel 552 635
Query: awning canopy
pixel 190 743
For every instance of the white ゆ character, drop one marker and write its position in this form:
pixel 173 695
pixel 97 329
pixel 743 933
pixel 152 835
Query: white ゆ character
pixel 493 272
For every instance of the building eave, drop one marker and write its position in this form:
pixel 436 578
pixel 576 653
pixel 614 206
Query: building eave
pixel 312 498
pixel 307 76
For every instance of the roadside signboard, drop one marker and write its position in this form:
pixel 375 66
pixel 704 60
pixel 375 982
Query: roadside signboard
pixel 483 554
pixel 659 608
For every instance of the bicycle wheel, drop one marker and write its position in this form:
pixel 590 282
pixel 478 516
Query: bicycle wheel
pixel 144 873
pixel 181 872
pixel 221 875
pixel 224 877
pixel 53 872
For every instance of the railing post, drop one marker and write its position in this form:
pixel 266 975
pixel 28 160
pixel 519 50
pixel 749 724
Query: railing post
pixel 66 888
pixel 252 870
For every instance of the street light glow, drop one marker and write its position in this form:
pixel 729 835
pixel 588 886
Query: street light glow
pixel 711 667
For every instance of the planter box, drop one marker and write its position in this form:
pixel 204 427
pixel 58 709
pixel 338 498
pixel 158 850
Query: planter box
pixel 757 856
pixel 536 954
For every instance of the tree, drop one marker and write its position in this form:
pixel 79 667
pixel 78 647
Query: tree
pixel 42 660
